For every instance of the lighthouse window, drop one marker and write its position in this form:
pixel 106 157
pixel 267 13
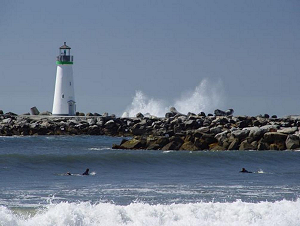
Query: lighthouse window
pixel 63 96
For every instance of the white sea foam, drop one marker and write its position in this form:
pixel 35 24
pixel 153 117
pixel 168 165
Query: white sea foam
pixel 99 149
pixel 206 97
pixel 237 213
pixel 260 171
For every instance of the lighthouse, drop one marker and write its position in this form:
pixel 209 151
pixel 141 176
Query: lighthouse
pixel 64 99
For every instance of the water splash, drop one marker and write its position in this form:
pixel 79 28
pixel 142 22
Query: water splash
pixel 141 103
pixel 206 97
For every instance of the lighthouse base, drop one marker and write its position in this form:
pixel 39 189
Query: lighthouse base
pixel 64 99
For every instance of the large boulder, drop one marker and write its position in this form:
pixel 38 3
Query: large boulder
pixel 216 147
pixel 216 130
pixel 234 145
pixel 110 124
pixel 262 146
pixel 277 146
pixel 292 142
pixel 289 130
pixel 154 143
pixel 219 112
pixel 229 112
pixel 240 134
pixel 246 146
pixel 255 132
pixel 190 124
pixel 133 144
pixel 204 129
pixel 188 146
pixel 174 110
pixel 274 137
pixel 223 139
pixel 138 129
pixel 140 115
pixel 173 145
pixel 269 128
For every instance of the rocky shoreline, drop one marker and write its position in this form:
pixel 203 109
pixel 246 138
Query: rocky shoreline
pixel 173 132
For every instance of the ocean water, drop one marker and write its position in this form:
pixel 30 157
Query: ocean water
pixel 139 187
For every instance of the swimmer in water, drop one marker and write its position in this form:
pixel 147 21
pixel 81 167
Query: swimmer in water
pixel 68 174
pixel 244 171
pixel 86 172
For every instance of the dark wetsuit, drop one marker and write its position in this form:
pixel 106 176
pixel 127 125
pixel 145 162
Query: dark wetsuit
pixel 244 171
pixel 86 172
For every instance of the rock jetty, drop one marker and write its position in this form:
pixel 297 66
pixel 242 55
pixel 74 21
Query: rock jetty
pixel 175 131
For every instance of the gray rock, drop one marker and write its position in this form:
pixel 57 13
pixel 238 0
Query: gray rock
pixel 290 130
pixel 222 135
pixel 190 124
pixel 91 121
pixel 219 112
pixel 292 142
pixel 216 130
pixel 45 124
pixel 202 114
pixel 182 118
pixel 173 110
pixel 229 112
pixel 268 128
pixel 109 124
pixel 34 111
pixel 240 134
pixel 46 113
pixel 204 129
pixel 255 132
pixel 7 120
pixel 139 115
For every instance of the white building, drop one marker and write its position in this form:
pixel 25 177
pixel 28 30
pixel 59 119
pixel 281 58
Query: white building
pixel 64 98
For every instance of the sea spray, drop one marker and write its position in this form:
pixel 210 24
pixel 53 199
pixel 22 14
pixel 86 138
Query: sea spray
pixel 206 97
pixel 142 103
pixel 85 214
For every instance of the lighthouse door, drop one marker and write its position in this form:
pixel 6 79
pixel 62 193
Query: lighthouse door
pixel 71 107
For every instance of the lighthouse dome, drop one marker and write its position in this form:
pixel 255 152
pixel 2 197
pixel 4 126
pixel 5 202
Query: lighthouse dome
pixel 65 46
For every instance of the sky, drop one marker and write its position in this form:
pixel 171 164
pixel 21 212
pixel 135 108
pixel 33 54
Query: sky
pixel 245 51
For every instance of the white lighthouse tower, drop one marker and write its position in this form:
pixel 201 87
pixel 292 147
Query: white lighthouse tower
pixel 64 98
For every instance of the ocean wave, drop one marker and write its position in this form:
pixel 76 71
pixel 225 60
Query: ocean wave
pixel 85 214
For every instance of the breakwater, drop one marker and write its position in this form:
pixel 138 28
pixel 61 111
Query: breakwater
pixel 173 132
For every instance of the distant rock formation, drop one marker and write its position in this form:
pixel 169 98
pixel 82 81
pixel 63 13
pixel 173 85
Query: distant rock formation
pixel 219 112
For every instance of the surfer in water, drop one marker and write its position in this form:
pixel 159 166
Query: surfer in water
pixel 86 172
pixel 244 171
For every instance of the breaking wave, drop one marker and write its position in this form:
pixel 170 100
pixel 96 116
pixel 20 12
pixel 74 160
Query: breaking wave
pixel 206 97
pixel 85 214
